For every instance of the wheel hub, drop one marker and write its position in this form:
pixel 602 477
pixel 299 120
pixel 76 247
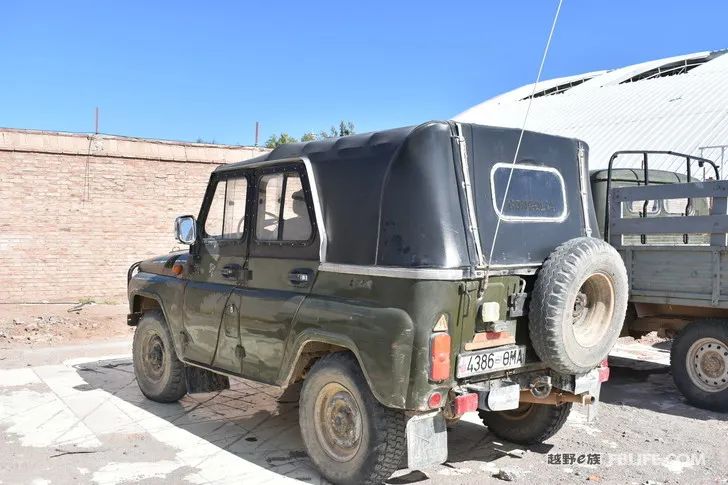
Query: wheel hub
pixel 580 306
pixel 338 422
pixel 707 363
pixel 593 310
pixel 154 357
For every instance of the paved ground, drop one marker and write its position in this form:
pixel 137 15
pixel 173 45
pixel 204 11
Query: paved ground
pixel 84 420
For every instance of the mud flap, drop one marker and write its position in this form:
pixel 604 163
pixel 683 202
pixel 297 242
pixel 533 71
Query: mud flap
pixel 589 383
pixel 201 380
pixel 426 440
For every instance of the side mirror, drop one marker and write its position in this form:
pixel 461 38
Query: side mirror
pixel 185 229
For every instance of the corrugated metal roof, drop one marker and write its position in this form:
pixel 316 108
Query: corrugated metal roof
pixel 680 112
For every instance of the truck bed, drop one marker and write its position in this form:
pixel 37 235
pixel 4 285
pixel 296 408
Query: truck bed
pixel 664 270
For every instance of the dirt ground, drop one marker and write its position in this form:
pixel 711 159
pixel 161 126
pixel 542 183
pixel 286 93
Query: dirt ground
pixel 43 325
pixel 73 410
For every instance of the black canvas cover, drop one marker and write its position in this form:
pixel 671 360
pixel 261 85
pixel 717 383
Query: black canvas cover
pixel 533 231
pixel 396 197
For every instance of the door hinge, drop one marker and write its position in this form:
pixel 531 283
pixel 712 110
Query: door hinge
pixel 584 189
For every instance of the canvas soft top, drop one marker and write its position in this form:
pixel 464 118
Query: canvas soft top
pixel 397 198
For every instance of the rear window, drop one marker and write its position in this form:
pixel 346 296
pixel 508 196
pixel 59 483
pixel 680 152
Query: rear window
pixel 535 193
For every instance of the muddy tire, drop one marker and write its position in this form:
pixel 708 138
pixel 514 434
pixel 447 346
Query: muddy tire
pixel 159 373
pixel 699 362
pixel 578 305
pixel 348 434
pixel 527 425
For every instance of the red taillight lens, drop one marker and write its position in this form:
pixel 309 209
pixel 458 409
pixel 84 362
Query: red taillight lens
pixel 440 357
pixel 465 403
pixel 604 371
pixel 435 400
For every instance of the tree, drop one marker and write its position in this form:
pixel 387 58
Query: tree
pixel 310 136
pixel 345 128
pixel 277 140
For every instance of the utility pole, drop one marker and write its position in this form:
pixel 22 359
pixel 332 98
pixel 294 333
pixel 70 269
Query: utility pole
pixel 257 130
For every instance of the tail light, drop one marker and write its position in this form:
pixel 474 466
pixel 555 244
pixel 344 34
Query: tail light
pixel 440 356
pixel 465 403
pixel 435 400
pixel 604 371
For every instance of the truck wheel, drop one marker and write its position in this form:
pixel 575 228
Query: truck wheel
pixel 699 362
pixel 348 434
pixel 159 373
pixel 527 425
pixel 578 305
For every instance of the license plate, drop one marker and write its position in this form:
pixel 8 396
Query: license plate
pixel 485 361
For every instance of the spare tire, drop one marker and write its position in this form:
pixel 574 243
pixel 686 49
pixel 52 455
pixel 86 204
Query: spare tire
pixel 578 305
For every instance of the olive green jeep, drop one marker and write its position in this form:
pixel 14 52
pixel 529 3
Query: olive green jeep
pixel 405 277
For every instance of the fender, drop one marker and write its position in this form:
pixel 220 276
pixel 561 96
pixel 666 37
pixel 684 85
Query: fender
pixel 313 336
pixel 385 361
pixel 136 306
pixel 147 285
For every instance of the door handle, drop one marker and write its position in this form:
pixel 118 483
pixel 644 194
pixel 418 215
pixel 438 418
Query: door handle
pixel 230 270
pixel 236 271
pixel 300 277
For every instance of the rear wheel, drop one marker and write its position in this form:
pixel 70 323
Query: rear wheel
pixel 348 434
pixel 527 425
pixel 578 305
pixel 159 373
pixel 699 361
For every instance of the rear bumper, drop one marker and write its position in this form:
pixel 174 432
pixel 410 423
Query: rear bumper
pixel 427 432
pixel 541 386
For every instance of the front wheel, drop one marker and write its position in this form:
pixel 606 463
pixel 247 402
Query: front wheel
pixel 159 373
pixel 348 434
pixel 527 425
pixel 699 361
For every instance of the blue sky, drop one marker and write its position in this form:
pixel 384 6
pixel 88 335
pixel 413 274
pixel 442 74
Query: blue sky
pixel 183 70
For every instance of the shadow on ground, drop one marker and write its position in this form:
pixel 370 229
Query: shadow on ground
pixel 649 386
pixel 246 420
pixel 256 423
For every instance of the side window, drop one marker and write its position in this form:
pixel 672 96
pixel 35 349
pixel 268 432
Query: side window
pixel 282 210
pixel 636 206
pixel 213 221
pixel 535 193
pixel 233 225
pixel 226 216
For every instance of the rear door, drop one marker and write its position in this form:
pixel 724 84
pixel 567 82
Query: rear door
pixel 536 203
pixel 281 268
pixel 221 253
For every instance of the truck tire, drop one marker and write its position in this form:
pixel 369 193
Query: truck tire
pixel 348 434
pixel 699 362
pixel 578 305
pixel 527 425
pixel 159 373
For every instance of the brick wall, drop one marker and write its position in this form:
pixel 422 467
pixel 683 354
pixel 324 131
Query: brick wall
pixel 77 210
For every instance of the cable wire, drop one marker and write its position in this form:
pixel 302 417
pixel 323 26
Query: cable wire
pixel 520 137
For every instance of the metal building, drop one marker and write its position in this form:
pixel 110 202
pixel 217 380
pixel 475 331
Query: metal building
pixel 679 103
